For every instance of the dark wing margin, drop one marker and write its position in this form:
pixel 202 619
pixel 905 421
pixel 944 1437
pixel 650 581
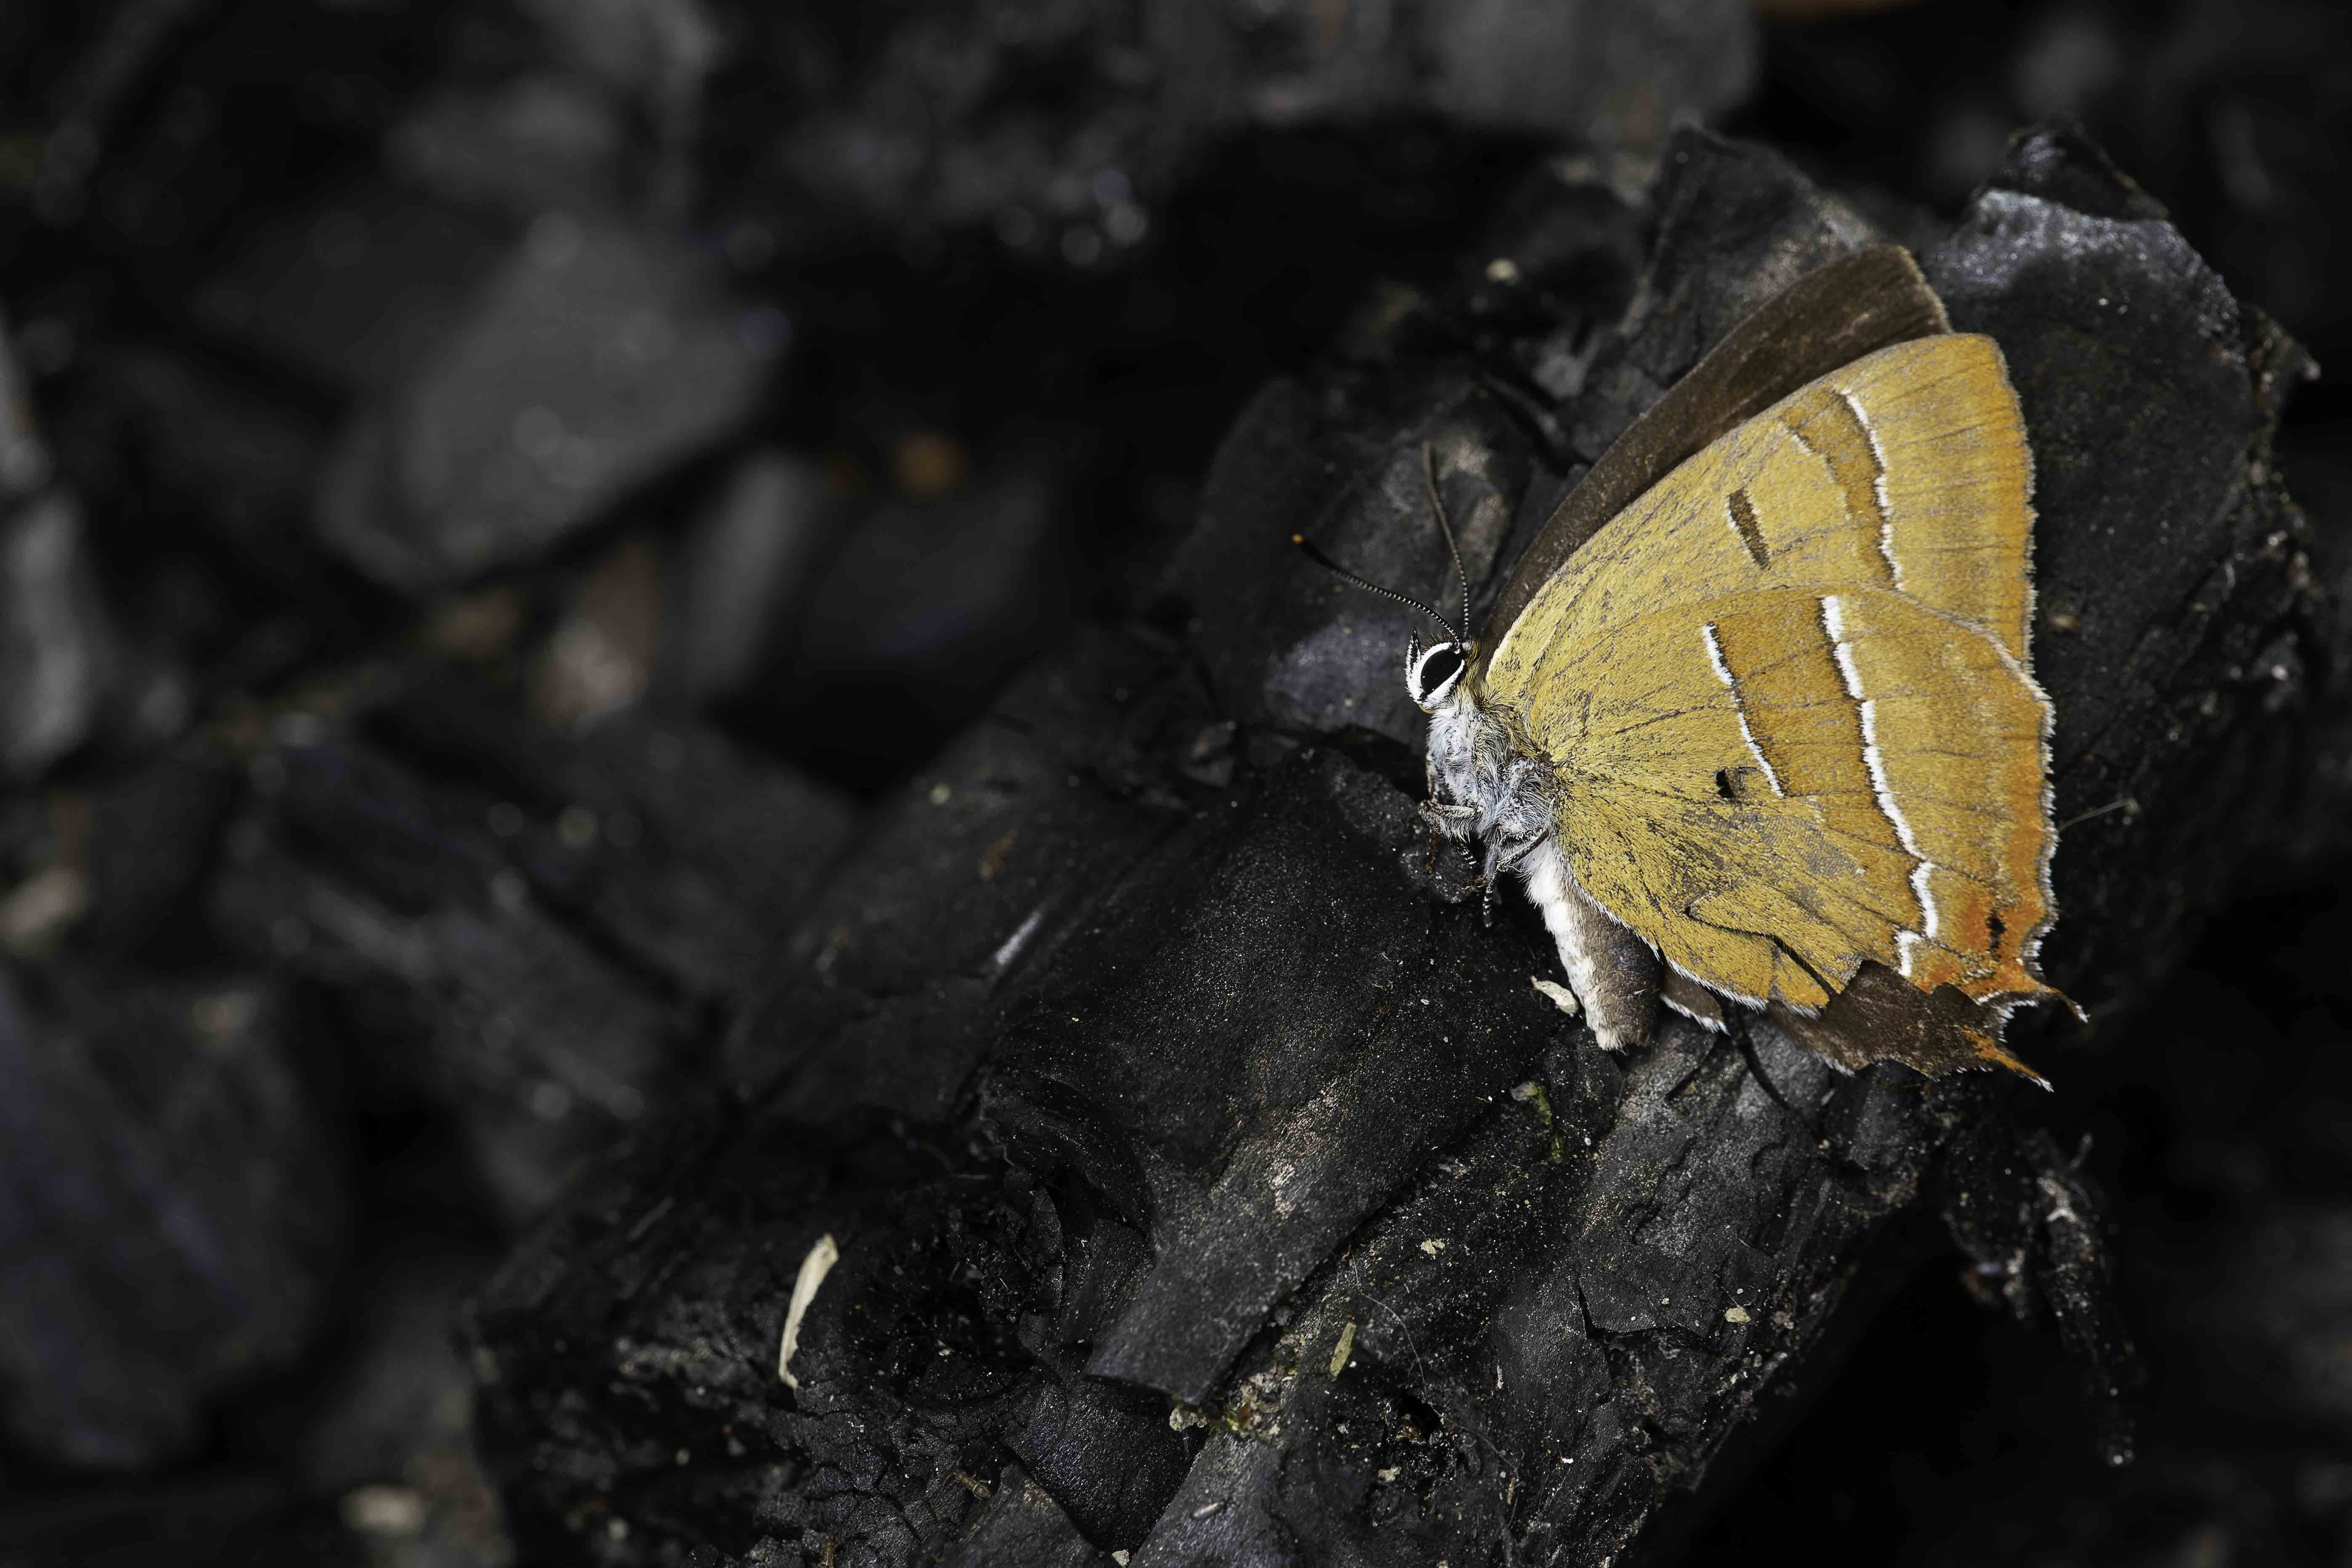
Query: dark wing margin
pixel 1881 1017
pixel 1828 319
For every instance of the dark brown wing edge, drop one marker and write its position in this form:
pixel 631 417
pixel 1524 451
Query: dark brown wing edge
pixel 1833 316
pixel 1881 1017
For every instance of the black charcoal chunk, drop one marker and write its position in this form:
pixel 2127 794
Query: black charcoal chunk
pixel 1024 1524
pixel 544 141
pixel 1294 645
pixel 748 562
pixel 355 291
pixel 1104 1450
pixel 597 356
pixel 165 434
pixel 926 605
pixel 1141 96
pixel 25 462
pixel 152 831
pixel 1269 1142
pixel 175 1206
pixel 2036 1234
pixel 534 930
pixel 963 886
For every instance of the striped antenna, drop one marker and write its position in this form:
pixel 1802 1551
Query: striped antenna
pixel 1315 553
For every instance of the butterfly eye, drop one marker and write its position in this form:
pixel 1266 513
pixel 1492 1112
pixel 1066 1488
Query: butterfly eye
pixel 1437 670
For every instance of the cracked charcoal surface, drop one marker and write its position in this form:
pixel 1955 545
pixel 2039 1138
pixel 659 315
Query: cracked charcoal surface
pixel 1130 1087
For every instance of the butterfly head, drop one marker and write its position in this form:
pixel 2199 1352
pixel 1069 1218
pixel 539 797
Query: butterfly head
pixel 1434 675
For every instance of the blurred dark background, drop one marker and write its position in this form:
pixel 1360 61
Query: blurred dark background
pixel 664 375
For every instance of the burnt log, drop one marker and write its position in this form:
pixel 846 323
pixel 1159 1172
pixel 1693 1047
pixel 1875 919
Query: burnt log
pixel 1208 1183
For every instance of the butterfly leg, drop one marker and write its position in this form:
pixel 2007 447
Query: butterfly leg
pixel 1503 855
pixel 1444 815
pixel 1453 821
pixel 1446 823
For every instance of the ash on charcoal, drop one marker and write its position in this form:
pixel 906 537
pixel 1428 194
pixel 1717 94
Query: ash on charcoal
pixel 1108 1074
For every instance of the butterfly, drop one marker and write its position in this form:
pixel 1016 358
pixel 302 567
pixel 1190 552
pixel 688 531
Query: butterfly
pixel 1753 721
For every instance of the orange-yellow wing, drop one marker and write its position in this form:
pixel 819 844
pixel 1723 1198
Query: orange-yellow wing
pixel 1907 469
pixel 1786 695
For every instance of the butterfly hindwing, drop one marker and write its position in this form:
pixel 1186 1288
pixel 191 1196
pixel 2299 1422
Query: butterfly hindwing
pixel 1723 792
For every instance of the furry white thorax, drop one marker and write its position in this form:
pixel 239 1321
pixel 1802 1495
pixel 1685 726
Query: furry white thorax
pixel 1482 786
pixel 1471 763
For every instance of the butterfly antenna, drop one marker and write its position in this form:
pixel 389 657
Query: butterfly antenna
pixel 1315 554
pixel 1437 505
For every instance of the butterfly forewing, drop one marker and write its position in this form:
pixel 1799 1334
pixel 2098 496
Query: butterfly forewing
pixel 1906 469
pixel 1831 318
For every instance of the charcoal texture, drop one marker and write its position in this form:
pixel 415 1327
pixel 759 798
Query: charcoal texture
pixel 1211 1184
